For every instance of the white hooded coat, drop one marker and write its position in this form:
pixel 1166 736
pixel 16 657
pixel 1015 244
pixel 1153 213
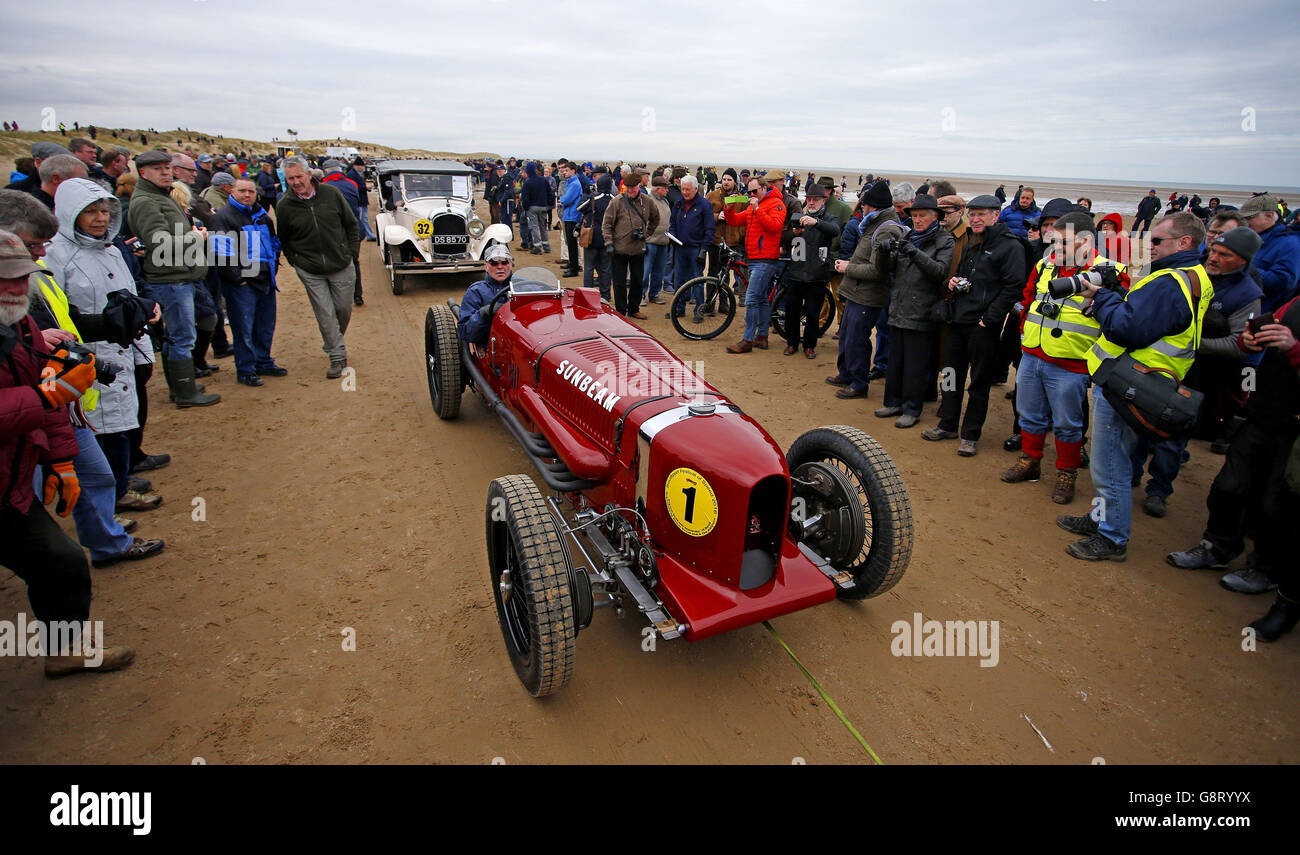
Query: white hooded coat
pixel 89 268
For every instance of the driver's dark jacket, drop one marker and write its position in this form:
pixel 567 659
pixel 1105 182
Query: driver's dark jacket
pixel 472 328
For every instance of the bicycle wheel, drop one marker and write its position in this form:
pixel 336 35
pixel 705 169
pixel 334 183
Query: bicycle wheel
pixel 824 321
pixel 711 317
pixel 778 310
pixel 829 308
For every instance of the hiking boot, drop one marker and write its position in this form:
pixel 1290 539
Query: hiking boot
pixel 935 434
pixel 152 461
pixel 336 369
pixel 790 350
pixel 1282 617
pixel 888 412
pixel 968 448
pixel 1025 469
pixel 1248 580
pixel 1012 443
pixel 133 501
pixel 1097 548
pixel 112 659
pixel 1155 506
pixel 850 392
pixel 760 342
pixel 1199 557
pixel 1084 524
pixel 1063 492
pixel 741 346
pixel 138 549
pixel 906 420
pixel 835 380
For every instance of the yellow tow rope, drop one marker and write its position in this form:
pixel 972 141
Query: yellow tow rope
pixel 827 698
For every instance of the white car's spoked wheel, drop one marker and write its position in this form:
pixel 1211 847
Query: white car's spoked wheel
pixel 442 361
pixel 529 570
pixel 877 546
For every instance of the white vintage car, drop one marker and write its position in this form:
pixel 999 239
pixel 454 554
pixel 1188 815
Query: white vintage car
pixel 426 222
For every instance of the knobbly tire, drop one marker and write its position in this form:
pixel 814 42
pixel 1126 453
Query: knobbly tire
pixel 442 361
pixel 719 301
pixel 887 549
pixel 825 319
pixel 528 567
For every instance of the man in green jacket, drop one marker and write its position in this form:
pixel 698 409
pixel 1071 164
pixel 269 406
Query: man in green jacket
pixel 174 265
pixel 320 238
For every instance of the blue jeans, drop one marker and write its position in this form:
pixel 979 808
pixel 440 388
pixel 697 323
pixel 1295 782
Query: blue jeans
pixel 252 326
pixel 670 269
pixel 758 311
pixel 366 231
pixel 656 261
pixel 1113 442
pixel 93 515
pixel 177 301
pixel 686 266
pixel 854 360
pixel 1167 457
pixel 1048 395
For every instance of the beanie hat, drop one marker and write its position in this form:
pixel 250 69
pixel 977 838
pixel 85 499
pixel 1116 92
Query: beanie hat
pixel 731 172
pixel 878 196
pixel 1242 240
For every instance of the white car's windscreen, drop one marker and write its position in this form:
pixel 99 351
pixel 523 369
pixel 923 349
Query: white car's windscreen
pixel 418 186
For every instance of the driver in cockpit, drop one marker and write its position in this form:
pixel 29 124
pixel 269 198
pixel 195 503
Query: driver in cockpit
pixel 476 309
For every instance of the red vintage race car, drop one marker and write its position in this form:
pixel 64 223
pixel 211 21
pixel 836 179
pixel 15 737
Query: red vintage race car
pixel 664 495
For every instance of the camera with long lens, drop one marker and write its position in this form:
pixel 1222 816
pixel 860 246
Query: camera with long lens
pixel 1103 276
pixel 105 372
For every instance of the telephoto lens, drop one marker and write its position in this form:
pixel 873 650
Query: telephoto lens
pixel 1067 286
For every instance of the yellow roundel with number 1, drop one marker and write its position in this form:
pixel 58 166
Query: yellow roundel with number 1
pixel 691 502
pixel 423 228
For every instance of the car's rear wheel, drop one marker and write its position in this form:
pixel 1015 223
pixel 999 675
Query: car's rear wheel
pixel 442 361
pixel 529 570
pixel 878 558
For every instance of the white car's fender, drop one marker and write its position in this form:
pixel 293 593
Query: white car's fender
pixel 395 235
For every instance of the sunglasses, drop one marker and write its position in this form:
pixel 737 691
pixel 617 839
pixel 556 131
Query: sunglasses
pixel 1155 241
pixel 499 262
pixel 754 192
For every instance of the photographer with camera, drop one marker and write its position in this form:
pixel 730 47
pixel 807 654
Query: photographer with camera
pixel 37 383
pixel 1149 335
pixel 629 220
pixel 1056 333
pixel 921 262
pixel 989 276
pixel 62 322
pixel 1257 492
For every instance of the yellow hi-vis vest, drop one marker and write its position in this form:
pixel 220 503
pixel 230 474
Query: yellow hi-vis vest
pixel 1173 353
pixel 1071 334
pixel 58 303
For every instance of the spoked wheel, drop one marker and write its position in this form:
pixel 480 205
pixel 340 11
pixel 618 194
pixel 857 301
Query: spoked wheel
pixel 530 577
pixel 442 361
pixel 865 524
pixel 703 308
pixel 825 320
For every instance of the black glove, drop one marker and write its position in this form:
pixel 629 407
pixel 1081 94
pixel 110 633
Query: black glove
pixel 907 248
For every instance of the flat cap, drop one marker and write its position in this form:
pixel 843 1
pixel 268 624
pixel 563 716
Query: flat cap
pixel 152 157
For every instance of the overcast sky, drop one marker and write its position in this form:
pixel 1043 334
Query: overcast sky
pixel 1145 90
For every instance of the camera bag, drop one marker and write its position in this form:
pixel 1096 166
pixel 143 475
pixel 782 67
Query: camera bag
pixel 1152 401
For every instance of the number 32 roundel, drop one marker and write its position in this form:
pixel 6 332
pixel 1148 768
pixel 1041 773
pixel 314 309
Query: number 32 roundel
pixel 691 502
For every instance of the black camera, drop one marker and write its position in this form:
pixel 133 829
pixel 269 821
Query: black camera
pixel 105 372
pixel 1102 276
pixel 891 245
pixel 1049 309
pixel 638 234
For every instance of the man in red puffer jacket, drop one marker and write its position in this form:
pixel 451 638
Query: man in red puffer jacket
pixel 764 220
